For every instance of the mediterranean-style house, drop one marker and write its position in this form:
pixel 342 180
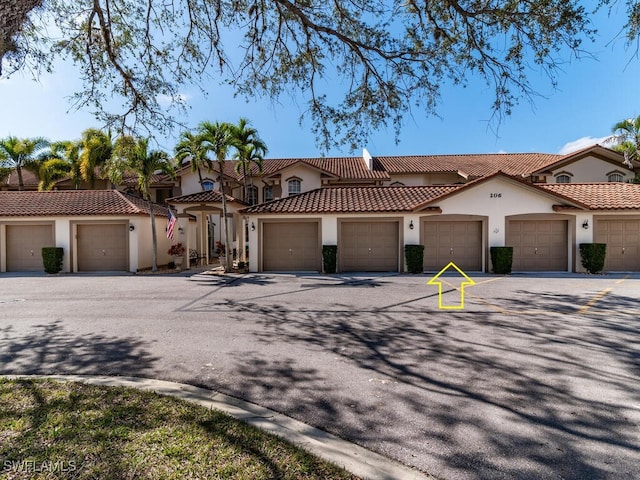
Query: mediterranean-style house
pixel 370 207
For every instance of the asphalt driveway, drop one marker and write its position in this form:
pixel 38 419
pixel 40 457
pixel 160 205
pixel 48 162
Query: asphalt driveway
pixel 536 377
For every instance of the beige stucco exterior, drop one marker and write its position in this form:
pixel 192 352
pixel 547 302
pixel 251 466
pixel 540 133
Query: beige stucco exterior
pixel 65 236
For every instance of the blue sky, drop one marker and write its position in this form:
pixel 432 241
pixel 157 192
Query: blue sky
pixel 592 95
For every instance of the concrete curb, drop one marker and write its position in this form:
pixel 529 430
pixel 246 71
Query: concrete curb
pixel 355 459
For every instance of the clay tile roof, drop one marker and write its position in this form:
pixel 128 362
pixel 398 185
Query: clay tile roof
pixel 347 168
pixel 28 178
pixel 600 196
pixel 475 165
pixel 354 200
pixel 73 203
pixel 210 196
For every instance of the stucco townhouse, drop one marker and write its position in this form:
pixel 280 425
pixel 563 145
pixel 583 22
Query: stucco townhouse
pixel 370 207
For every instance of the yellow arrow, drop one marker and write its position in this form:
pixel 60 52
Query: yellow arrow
pixel 436 281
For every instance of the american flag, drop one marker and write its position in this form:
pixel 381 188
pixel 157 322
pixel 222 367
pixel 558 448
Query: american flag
pixel 171 221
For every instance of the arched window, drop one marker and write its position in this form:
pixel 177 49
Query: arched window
pixel 294 186
pixel 563 178
pixel 252 195
pixel 207 185
pixel 615 177
pixel 267 193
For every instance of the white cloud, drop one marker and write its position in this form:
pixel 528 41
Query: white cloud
pixel 584 142
pixel 168 100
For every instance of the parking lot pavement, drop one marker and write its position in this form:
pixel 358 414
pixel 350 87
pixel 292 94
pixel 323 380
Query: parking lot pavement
pixel 536 377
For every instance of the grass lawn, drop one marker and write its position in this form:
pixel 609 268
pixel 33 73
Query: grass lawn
pixel 76 431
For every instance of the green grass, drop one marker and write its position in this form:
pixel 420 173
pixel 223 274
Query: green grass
pixel 72 430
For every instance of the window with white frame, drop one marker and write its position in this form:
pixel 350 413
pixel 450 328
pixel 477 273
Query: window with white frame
pixel 267 193
pixel 252 195
pixel 615 177
pixel 294 186
pixel 563 178
pixel 207 185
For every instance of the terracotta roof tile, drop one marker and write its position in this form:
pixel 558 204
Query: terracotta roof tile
pixel 600 196
pixel 354 200
pixel 209 196
pixel 475 165
pixel 73 203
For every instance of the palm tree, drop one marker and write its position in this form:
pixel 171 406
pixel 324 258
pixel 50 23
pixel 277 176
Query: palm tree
pixel 190 146
pixel 217 138
pixel 53 165
pixel 95 150
pixel 627 134
pixel 249 149
pixel 19 153
pixel 132 156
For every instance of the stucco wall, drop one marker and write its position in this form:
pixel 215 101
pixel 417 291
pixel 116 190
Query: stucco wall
pixel 310 178
pixel 590 169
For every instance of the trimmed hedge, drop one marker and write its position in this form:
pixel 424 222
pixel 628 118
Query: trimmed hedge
pixel 329 258
pixel 501 259
pixel 592 256
pixel 414 254
pixel 52 259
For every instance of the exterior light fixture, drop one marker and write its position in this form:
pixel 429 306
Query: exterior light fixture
pixel 411 225
pixel 585 224
pixel 132 227
pixel 253 227
pixel 181 230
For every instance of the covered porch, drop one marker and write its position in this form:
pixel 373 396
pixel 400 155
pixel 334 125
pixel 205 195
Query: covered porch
pixel 204 237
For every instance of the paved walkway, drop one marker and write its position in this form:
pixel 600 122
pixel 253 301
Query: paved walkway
pixel 355 459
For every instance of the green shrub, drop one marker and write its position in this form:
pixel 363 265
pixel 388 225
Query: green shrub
pixel 52 259
pixel 501 259
pixel 329 258
pixel 592 256
pixel 414 255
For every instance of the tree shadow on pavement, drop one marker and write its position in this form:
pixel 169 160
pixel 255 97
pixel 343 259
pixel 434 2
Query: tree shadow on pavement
pixel 459 395
pixel 49 349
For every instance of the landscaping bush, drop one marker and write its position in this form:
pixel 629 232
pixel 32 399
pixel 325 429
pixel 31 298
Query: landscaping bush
pixel 52 259
pixel 592 256
pixel 501 259
pixel 329 258
pixel 414 254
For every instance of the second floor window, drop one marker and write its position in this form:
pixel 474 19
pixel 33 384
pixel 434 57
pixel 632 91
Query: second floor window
pixel 563 179
pixel 615 177
pixel 252 195
pixel 207 185
pixel 267 192
pixel 294 186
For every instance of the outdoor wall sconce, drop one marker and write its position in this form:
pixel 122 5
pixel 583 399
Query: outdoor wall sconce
pixel 132 227
pixel 181 230
pixel 253 227
pixel 585 224
pixel 411 225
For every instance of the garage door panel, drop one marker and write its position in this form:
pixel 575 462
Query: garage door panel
pixel 539 245
pixel 24 246
pixel 291 246
pixel 369 246
pixel 622 237
pixel 452 241
pixel 102 247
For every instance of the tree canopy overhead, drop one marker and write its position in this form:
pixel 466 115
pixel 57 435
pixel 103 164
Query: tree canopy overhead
pixel 360 65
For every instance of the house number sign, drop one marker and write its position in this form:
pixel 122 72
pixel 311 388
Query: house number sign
pixel 495 195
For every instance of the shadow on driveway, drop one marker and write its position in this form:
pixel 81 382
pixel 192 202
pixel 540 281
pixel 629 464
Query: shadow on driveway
pixel 471 395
